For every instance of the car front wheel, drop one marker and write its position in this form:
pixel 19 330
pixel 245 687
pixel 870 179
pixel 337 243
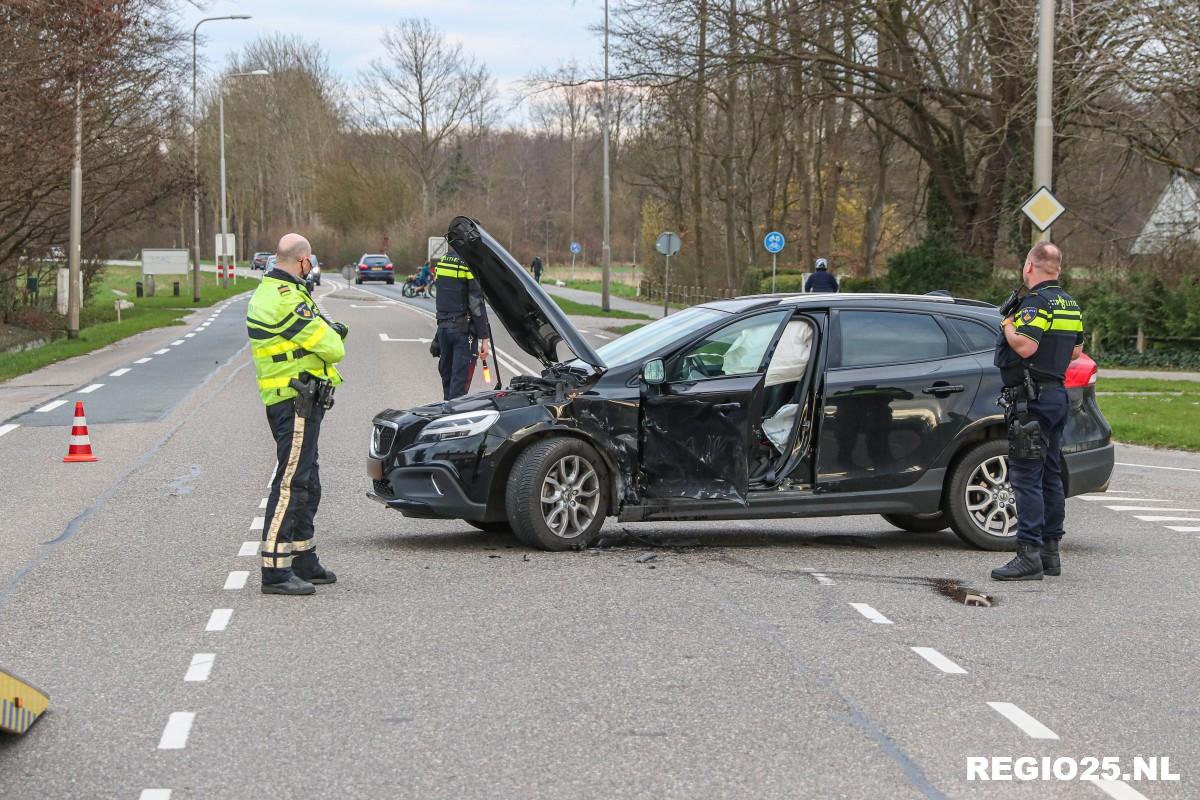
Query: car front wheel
pixel 556 495
pixel 980 501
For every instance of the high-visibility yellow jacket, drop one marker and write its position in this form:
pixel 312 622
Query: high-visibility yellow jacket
pixel 288 337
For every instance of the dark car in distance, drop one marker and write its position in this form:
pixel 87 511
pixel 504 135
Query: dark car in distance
pixel 260 261
pixel 374 267
pixel 750 408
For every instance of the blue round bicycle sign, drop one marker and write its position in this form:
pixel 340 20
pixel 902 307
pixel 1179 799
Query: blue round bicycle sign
pixel 774 242
pixel 575 248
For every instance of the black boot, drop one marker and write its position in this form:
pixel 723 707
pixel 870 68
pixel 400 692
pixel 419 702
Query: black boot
pixel 1051 563
pixel 292 585
pixel 1026 566
pixel 317 574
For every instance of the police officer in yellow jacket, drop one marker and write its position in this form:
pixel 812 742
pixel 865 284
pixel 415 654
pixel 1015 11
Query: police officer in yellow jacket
pixel 294 349
pixel 462 325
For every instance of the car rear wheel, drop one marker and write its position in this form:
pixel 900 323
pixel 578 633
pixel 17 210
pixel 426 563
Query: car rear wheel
pixel 391 281
pixel 919 523
pixel 980 501
pixel 556 495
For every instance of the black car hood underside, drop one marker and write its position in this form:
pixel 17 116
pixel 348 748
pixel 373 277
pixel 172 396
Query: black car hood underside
pixel 534 321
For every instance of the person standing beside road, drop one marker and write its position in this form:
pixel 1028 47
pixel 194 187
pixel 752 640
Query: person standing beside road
pixel 463 333
pixel 1041 338
pixel 294 349
pixel 536 268
pixel 821 280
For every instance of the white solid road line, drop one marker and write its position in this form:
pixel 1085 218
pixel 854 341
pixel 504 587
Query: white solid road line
pixel 249 548
pixel 1120 790
pixel 143 360
pixel 938 660
pixel 1177 528
pixel 160 352
pixel 175 735
pixel 1155 466
pixel 12 426
pixel 1026 723
pixel 1099 498
pixel 871 614
pixel 118 372
pixel 201 666
pixel 237 579
pixel 155 794
pixel 219 619
pixel 90 389
pixel 257 524
pixel 1166 519
pixel 50 406
pixel 1151 508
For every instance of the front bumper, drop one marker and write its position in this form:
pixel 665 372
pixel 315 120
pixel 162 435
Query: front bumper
pixel 428 491
pixel 1089 470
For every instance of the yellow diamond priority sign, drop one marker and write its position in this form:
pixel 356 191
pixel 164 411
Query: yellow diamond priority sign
pixel 1043 208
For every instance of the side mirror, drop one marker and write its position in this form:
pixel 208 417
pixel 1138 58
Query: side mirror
pixel 653 372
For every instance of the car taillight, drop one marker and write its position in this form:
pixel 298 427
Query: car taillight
pixel 362 267
pixel 387 266
pixel 1081 372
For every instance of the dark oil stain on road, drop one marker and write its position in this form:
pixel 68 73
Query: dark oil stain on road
pixel 948 587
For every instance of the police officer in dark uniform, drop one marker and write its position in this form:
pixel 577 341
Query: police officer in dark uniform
pixel 463 333
pixel 821 280
pixel 1043 335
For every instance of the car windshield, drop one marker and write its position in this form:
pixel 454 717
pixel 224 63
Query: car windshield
pixel 639 344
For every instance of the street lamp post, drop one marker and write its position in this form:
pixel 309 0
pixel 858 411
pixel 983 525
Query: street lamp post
pixel 196 164
pixel 221 116
pixel 606 246
pixel 1043 129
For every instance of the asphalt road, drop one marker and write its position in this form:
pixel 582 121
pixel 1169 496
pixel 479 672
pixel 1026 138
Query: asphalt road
pixel 746 660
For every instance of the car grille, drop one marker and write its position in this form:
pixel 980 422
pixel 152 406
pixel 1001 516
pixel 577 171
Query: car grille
pixel 382 439
pixel 383 489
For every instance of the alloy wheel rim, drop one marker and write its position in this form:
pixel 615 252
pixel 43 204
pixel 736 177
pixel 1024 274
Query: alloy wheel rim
pixel 570 496
pixel 990 499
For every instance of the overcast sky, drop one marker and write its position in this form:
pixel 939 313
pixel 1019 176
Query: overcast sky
pixel 513 38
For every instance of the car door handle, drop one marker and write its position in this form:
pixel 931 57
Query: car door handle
pixel 939 389
pixel 726 407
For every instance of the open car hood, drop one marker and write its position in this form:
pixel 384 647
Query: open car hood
pixel 534 321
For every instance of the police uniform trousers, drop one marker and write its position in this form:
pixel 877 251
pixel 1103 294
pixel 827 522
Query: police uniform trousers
pixel 456 362
pixel 295 494
pixel 1037 482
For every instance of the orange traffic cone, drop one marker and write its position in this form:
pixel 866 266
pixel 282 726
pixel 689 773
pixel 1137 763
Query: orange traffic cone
pixel 81 444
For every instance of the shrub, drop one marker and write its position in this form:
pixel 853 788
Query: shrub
pixel 935 264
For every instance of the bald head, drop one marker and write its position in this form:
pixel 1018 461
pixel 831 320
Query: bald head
pixel 1046 260
pixel 292 250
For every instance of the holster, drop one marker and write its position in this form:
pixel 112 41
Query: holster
pixel 1024 431
pixel 312 392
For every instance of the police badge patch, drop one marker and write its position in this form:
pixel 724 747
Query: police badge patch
pixel 1028 315
pixel 302 310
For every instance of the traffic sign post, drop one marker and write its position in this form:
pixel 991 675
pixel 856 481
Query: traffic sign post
pixel 668 244
pixel 774 243
pixel 575 250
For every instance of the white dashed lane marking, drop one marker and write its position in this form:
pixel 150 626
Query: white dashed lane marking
pixel 871 614
pixel 50 406
pixel 160 352
pixel 155 794
pixel 1031 727
pixel 175 735
pixel 263 502
pixel 188 335
pixel 939 660
pixel 1155 466
pixel 602 336
pixel 201 666
pixel 90 389
pixel 144 360
pixel 237 579
pixel 118 372
pixel 1102 499
pixel 1166 519
pixel 257 524
pixel 1119 790
pixel 823 579
pixel 12 426
pixel 1177 528
pixel 249 548
pixel 219 619
pixel 176 343
pixel 1151 508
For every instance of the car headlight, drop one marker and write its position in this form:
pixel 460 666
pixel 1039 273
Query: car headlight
pixel 458 426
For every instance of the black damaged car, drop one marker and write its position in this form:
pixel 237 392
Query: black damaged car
pixel 751 408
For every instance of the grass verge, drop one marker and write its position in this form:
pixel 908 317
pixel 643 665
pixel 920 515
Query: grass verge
pixel 1152 412
pixel 98 319
pixel 585 310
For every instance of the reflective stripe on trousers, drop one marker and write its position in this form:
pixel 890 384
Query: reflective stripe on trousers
pixel 295 491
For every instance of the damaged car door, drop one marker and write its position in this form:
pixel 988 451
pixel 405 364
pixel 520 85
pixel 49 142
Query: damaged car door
pixel 697 422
